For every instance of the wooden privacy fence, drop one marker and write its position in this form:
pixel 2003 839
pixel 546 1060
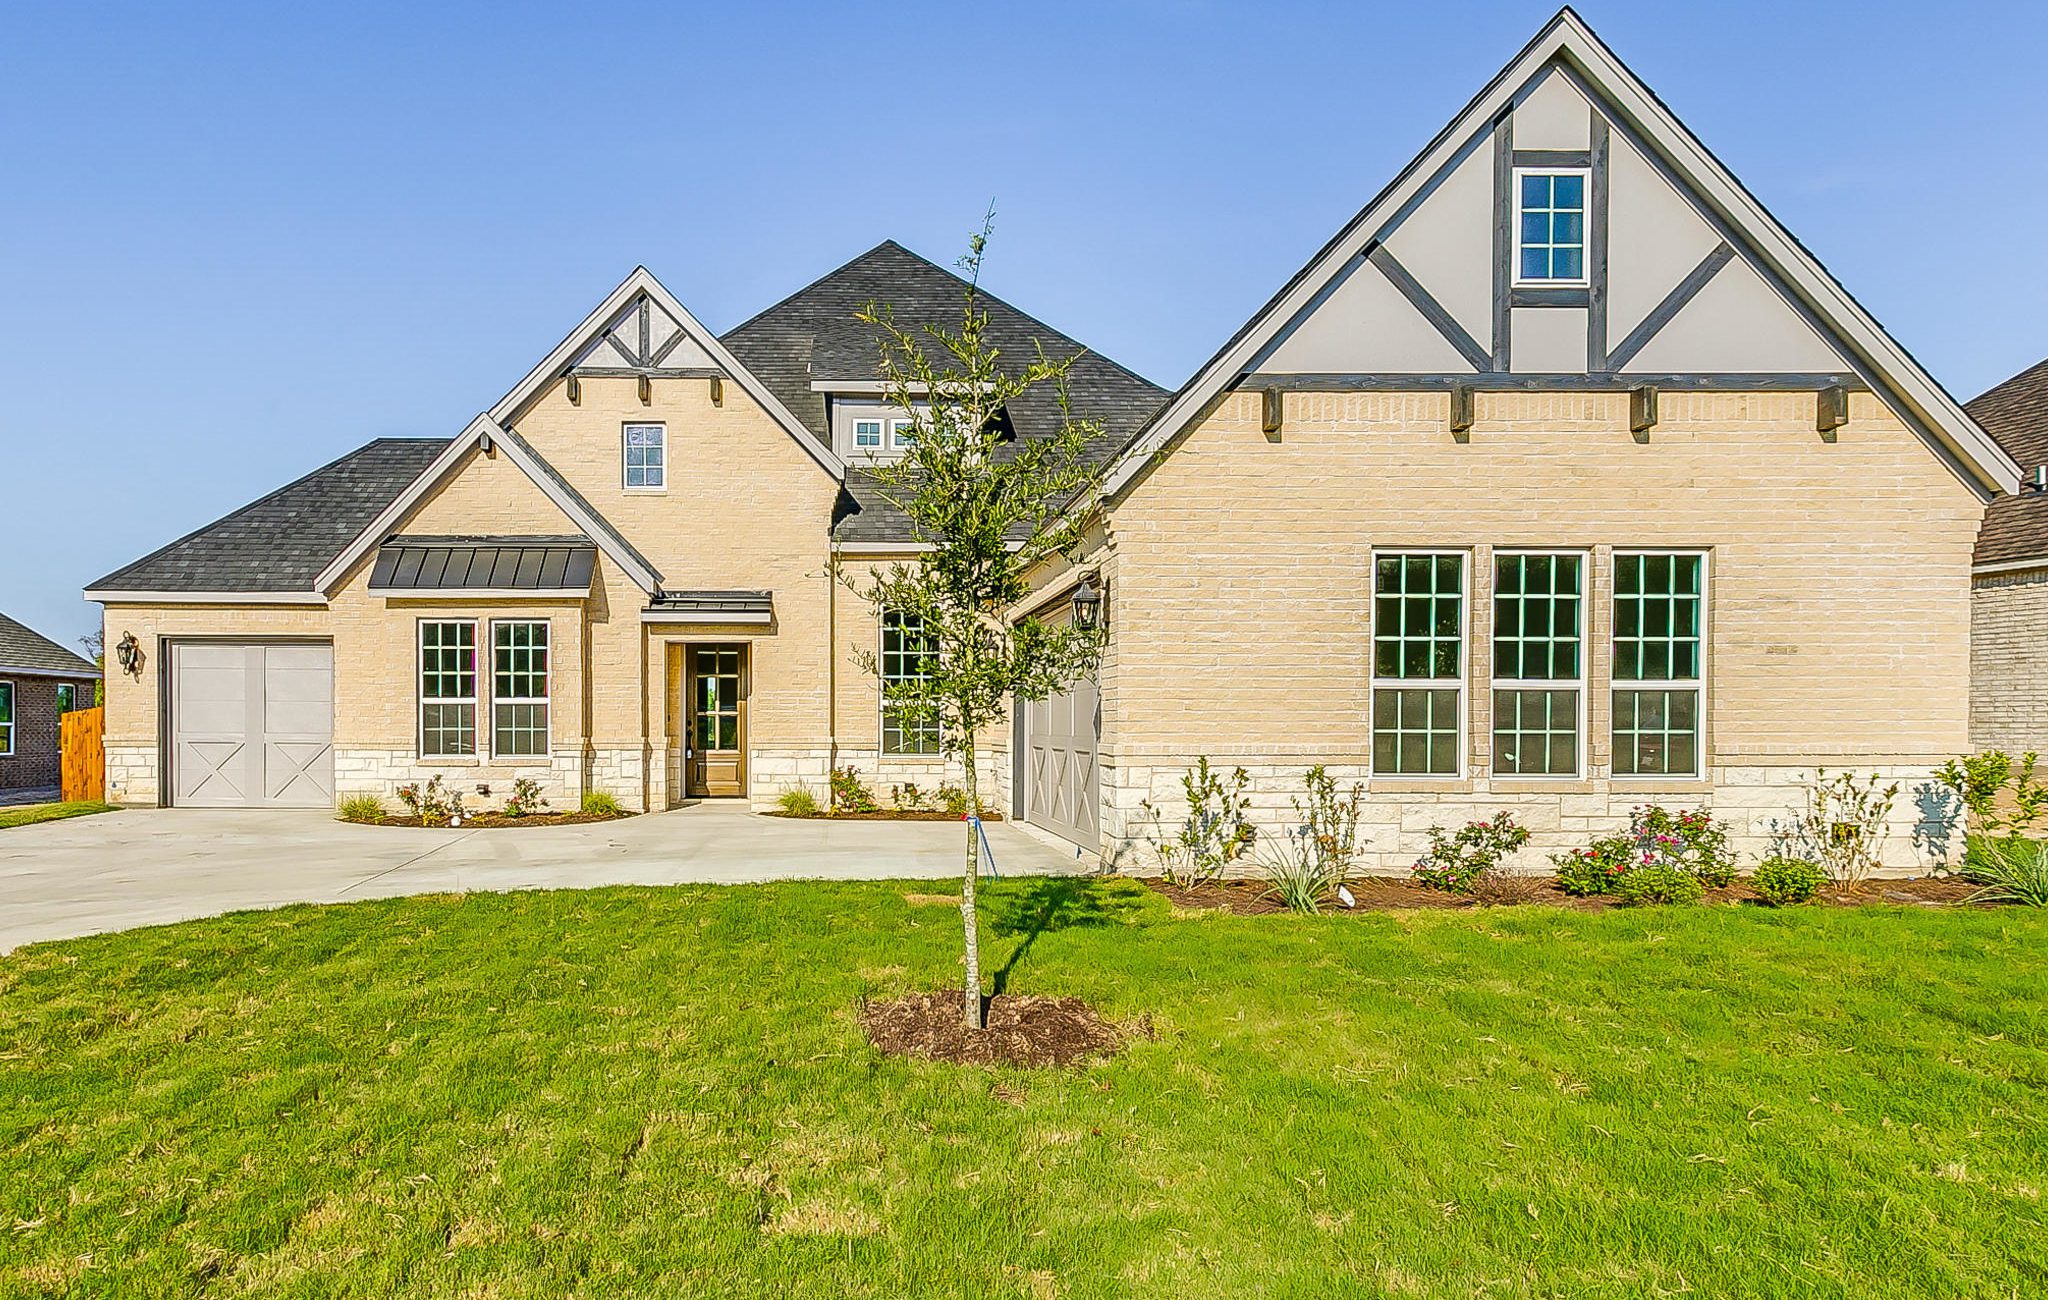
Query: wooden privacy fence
pixel 83 733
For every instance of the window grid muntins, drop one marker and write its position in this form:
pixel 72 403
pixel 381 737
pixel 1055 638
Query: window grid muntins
pixel 1553 226
pixel 646 456
pixel 1418 637
pixel 519 689
pixel 447 689
pixel 867 433
pixel 906 652
pixel 1658 603
pixel 1538 603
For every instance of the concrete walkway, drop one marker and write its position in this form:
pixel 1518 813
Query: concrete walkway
pixel 115 871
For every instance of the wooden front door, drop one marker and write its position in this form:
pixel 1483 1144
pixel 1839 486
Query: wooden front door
pixel 714 702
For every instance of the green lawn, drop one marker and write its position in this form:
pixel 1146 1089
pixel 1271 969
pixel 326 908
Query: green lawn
pixel 30 814
pixel 663 1092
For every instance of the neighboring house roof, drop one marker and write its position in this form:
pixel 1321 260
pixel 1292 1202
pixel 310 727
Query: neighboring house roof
pixel 1891 372
pixel 522 566
pixel 25 652
pixel 813 335
pixel 280 543
pixel 2016 414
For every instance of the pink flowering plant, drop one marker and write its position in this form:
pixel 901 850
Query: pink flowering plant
pixel 1688 841
pixel 1457 862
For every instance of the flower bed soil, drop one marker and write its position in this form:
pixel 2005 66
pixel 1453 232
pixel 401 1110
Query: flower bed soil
pixel 1392 893
pixel 1026 1031
pixel 494 820
pixel 883 815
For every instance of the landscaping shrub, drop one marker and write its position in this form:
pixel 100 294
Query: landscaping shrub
pixel 1783 881
pixel 1659 883
pixel 1689 841
pixel 1329 822
pixel 432 803
pixel 1300 874
pixel 597 803
pixel 798 801
pixel 525 798
pixel 365 808
pixel 1979 779
pixel 2010 869
pixel 1843 826
pixel 951 798
pixel 1218 828
pixel 1457 863
pixel 907 797
pixel 849 793
pixel 1597 868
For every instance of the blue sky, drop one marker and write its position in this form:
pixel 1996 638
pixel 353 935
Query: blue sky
pixel 236 241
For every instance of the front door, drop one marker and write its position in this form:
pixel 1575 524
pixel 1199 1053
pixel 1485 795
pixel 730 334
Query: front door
pixel 714 701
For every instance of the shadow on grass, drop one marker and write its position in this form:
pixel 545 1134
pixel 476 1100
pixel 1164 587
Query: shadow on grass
pixel 1029 908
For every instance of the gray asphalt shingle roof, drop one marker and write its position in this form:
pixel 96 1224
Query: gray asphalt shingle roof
pixel 812 334
pixel 281 542
pixel 28 652
pixel 2015 413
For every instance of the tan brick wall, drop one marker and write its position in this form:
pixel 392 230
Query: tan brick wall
pixel 1240 579
pixel 2009 661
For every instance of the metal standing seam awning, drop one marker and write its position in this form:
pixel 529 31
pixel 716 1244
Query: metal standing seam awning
pixel 710 607
pixel 484 566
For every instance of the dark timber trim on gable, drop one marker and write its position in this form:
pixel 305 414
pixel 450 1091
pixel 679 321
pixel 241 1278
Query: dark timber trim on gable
pixel 1432 310
pixel 1674 302
pixel 1501 382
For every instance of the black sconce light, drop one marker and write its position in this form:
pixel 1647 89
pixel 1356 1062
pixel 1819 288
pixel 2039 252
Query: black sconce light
pixel 128 651
pixel 1088 603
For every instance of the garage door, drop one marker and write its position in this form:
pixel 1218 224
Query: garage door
pixel 1060 737
pixel 252 726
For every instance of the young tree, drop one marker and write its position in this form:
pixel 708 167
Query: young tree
pixel 992 510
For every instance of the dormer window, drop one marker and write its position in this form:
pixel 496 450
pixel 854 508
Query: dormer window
pixel 1550 227
pixel 867 433
pixel 868 428
pixel 902 433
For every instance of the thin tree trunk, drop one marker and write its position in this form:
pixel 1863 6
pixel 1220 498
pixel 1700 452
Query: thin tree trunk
pixel 972 1005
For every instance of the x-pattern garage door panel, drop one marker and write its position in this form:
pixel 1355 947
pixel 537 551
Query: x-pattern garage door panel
pixel 252 725
pixel 1061 737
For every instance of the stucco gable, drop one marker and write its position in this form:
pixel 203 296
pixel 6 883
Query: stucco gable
pixel 1688 280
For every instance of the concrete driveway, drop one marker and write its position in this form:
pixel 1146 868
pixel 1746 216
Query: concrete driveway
pixel 119 870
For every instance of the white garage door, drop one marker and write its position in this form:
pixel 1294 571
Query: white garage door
pixel 1060 738
pixel 252 726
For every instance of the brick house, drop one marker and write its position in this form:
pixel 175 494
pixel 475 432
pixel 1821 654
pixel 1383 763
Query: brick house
pixel 40 681
pixel 2009 581
pixel 1562 479
pixel 623 576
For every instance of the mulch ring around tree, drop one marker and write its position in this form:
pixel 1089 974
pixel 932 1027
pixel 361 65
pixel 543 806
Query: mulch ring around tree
pixel 1021 1030
pixel 1393 894
pixel 493 820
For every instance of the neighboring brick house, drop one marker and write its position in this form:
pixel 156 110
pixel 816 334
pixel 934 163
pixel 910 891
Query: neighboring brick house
pixel 2009 597
pixel 1563 479
pixel 621 577
pixel 40 681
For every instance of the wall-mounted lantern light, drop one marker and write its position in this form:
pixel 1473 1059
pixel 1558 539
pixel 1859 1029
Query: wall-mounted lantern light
pixel 128 651
pixel 1087 603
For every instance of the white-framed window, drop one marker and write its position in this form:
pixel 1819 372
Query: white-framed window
pixel 867 434
pixel 1550 226
pixel 902 434
pixel 1418 663
pixel 447 688
pixel 1660 607
pixel 67 698
pixel 6 719
pixel 646 456
pixel 519 688
pixel 1539 663
pixel 906 657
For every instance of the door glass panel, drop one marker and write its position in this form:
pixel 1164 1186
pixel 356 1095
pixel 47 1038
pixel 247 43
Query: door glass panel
pixel 716 698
